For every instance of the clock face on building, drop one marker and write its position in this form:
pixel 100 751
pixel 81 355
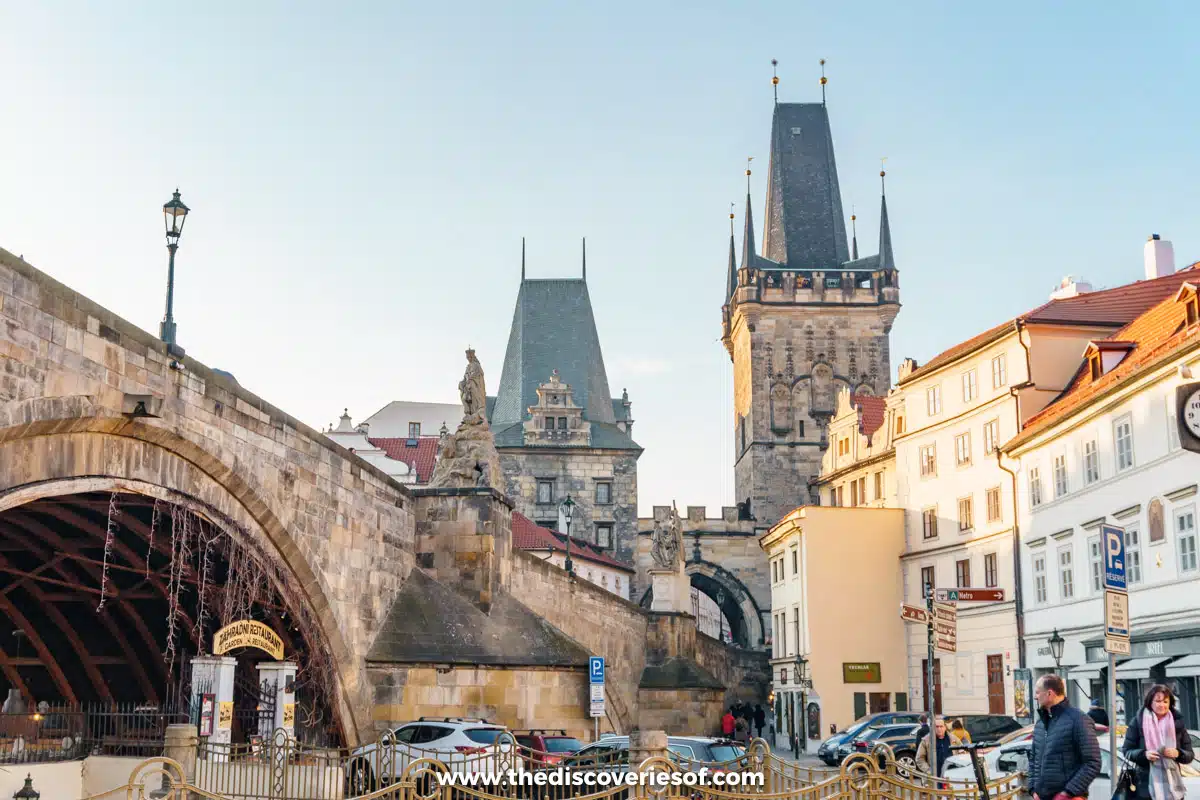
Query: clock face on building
pixel 1191 412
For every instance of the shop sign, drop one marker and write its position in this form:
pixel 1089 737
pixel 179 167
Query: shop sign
pixel 862 672
pixel 248 633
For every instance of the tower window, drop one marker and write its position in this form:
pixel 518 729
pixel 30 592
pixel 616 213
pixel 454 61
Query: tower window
pixel 603 493
pixel 604 535
pixel 549 423
pixel 545 492
pixel 562 423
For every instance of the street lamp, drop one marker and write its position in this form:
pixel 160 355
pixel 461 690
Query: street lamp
pixel 174 215
pixel 568 509
pixel 1056 643
pixel 798 714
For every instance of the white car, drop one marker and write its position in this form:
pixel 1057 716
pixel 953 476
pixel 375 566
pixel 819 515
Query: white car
pixel 1014 757
pixel 464 745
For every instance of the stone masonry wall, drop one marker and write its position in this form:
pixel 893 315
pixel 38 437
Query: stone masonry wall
pixel 464 538
pixel 576 472
pixel 343 528
pixel 745 673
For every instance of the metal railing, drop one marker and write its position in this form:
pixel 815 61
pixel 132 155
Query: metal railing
pixel 69 732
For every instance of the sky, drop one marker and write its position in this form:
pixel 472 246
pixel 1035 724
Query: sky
pixel 360 176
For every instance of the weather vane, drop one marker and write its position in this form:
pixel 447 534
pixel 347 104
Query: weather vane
pixel 775 79
pixel 824 81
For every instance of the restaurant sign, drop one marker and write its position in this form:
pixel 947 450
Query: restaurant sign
pixel 248 633
pixel 862 672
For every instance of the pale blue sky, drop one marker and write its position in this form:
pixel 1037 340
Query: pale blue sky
pixel 361 175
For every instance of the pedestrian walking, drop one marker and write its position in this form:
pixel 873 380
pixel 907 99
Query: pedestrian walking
pixel 958 732
pixel 741 730
pixel 943 744
pixel 728 722
pixel 1157 742
pixel 1097 712
pixel 760 720
pixel 1066 755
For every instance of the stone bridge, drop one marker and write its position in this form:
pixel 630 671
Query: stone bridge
pixel 415 597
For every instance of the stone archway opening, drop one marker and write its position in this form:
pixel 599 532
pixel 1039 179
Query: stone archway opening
pixel 721 610
pixel 114 592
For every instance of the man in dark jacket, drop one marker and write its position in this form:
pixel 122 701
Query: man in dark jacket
pixel 1066 755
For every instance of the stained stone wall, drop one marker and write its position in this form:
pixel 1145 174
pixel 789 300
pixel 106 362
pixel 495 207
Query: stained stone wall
pixel 576 472
pixel 68 368
pixel 789 362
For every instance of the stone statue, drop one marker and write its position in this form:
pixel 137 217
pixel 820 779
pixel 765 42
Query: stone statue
pixel 467 458
pixel 668 540
pixel 471 389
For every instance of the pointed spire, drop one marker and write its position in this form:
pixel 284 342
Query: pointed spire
pixel 522 258
pixel 585 258
pixel 731 281
pixel 854 236
pixel 749 252
pixel 886 259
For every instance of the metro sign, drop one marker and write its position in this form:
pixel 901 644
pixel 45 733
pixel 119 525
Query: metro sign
pixel 969 595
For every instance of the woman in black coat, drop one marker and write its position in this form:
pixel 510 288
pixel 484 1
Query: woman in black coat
pixel 1159 702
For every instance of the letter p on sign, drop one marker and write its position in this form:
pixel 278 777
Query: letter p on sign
pixel 1114 557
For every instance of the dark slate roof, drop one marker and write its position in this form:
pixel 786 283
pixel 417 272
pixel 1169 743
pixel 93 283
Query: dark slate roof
pixel 619 409
pixel 553 328
pixel 805 227
pixel 678 673
pixel 430 622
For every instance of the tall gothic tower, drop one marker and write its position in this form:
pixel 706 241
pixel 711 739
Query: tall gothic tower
pixel 803 319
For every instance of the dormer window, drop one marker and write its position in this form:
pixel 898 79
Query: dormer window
pixel 414 430
pixel 1094 366
pixel 1192 310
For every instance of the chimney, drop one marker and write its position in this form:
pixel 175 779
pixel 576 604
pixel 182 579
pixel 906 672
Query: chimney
pixel 1070 286
pixel 1159 257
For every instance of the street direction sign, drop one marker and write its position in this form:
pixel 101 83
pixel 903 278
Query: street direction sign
pixel 1113 543
pixel 969 595
pixel 1116 614
pixel 913 614
pixel 945 627
pixel 1117 646
pixel 596 669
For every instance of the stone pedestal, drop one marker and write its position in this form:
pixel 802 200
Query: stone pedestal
pixel 646 744
pixel 214 675
pixel 671 591
pixel 180 745
pixel 278 678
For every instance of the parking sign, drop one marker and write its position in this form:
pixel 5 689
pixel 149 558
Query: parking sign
pixel 596 669
pixel 1112 540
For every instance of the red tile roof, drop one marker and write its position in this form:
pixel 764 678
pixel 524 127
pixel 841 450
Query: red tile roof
pixel 528 535
pixel 871 410
pixel 420 457
pixel 1112 307
pixel 1157 336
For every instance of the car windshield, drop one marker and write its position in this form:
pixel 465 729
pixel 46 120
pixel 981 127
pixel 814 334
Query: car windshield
pixel 725 752
pixel 562 744
pixel 1015 735
pixel 857 726
pixel 483 735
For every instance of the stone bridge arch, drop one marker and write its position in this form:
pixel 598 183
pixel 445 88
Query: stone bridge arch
pixel 732 597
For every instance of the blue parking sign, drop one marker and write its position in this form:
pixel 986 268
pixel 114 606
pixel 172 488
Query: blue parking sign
pixel 596 669
pixel 1112 544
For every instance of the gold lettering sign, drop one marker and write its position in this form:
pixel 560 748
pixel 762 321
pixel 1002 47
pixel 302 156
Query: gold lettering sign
pixel 225 720
pixel 289 715
pixel 248 633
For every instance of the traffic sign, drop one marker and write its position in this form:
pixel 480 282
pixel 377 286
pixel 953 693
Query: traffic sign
pixel 1117 646
pixel 1113 542
pixel 1116 614
pixel 597 692
pixel 596 709
pixel 945 627
pixel 913 614
pixel 596 669
pixel 969 595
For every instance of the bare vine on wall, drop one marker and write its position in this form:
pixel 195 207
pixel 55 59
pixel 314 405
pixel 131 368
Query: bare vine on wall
pixel 110 530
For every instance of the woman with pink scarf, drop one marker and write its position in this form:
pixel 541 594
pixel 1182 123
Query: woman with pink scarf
pixel 1157 742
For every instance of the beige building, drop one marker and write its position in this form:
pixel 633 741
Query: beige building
pixel 835 598
pixel 859 466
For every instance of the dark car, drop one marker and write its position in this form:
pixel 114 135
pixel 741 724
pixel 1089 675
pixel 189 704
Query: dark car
pixel 987 727
pixel 827 752
pixel 689 750
pixel 895 736
pixel 547 746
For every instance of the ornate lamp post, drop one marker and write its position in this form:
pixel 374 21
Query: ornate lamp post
pixel 568 509
pixel 27 793
pixel 799 713
pixel 174 215
pixel 1056 643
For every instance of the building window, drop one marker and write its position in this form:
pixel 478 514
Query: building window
pixel 1172 424
pixel 991 577
pixel 1185 534
pixel 1039 578
pixel 853 493
pixel 604 580
pixel 928 460
pixel 927 584
pixel 962 449
pixel 742 432
pixel 966 515
pixel 962 573
pixel 993 504
pixel 1096 564
pixel 617 586
pixel 562 423
pixel 795 561
pixel 1091 462
pixel 929 522
pixel 548 424
pixel 999 371
pixel 933 400
pixel 1035 487
pixel 1123 436
pixel 1060 475
pixel 545 492
pixel 1133 555
pixel 604 493
pixel 899 424
pixel 604 535
pixel 1066 574
pixel 839 497
pixel 970 386
pixel 991 433
pixel 878 485
pixel 414 430
pixel 862 490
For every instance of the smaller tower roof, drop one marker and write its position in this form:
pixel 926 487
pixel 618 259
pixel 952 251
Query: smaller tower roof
pixel 886 259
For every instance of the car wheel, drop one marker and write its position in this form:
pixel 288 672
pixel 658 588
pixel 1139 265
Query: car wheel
pixel 360 781
pixel 906 761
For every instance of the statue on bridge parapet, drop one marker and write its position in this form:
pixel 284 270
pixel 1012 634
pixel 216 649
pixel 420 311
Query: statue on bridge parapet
pixel 670 587
pixel 668 540
pixel 468 458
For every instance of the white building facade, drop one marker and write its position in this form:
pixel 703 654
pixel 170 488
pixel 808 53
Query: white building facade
pixel 1108 451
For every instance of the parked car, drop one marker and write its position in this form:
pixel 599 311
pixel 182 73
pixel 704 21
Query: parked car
pixel 464 745
pixel 613 752
pixel 987 727
pixel 827 752
pixel 547 746
pixel 898 737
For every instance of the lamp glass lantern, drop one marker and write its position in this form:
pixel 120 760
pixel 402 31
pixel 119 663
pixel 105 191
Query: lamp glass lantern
pixel 28 792
pixel 174 215
pixel 1057 643
pixel 801 668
